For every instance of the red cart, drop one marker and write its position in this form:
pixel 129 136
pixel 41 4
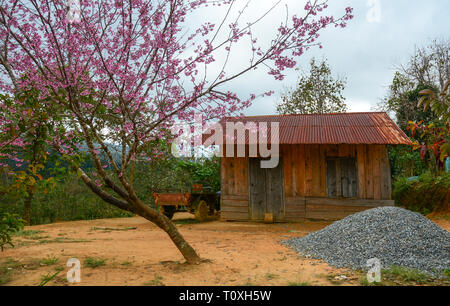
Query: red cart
pixel 201 202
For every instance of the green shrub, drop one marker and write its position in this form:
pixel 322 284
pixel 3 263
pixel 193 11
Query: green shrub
pixel 175 175
pixel 70 200
pixel 405 162
pixel 93 263
pixel 49 261
pixel 9 224
pixel 425 195
pixel 406 274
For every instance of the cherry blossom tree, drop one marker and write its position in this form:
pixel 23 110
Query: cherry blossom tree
pixel 122 72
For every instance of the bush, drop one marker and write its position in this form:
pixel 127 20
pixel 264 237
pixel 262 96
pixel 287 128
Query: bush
pixel 9 224
pixel 425 195
pixel 175 175
pixel 204 171
pixel 69 200
pixel 406 162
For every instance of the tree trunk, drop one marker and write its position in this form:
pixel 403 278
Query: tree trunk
pixel 166 225
pixel 27 211
pixel 148 213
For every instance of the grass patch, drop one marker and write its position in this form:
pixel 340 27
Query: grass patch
pixel 63 240
pixel 30 234
pixel 27 233
pixel 447 273
pixel 37 237
pixel 302 284
pixel 270 276
pixel 5 275
pixel 92 262
pixel 60 280
pixel 186 221
pixel 406 275
pixel 11 263
pixel 11 266
pixel 401 276
pixel 47 278
pixel 157 281
pixel 8 267
pixel 126 263
pixel 49 261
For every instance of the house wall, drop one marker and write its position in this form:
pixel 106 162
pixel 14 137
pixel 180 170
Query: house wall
pixel 305 169
pixel 305 182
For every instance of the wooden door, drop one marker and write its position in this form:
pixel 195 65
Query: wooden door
pixel 258 200
pixel 266 190
pixel 342 177
pixel 349 178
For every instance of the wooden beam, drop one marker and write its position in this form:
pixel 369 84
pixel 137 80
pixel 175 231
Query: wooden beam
pixel 226 203
pixel 348 202
pixel 235 197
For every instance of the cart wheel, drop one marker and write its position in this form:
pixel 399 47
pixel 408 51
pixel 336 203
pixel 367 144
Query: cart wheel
pixel 201 213
pixel 167 211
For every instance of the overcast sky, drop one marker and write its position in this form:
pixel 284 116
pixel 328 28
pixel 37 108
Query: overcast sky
pixel 365 52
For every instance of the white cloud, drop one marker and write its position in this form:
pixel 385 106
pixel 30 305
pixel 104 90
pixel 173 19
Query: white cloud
pixel 364 52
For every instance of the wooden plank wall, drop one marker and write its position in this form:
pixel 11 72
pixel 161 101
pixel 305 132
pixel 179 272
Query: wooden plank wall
pixel 305 169
pixel 305 184
pixel 338 208
pixel 234 189
pixel 305 180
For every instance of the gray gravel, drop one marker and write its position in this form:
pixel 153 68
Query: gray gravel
pixel 396 236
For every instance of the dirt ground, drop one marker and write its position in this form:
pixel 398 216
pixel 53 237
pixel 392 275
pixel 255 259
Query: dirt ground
pixel 141 254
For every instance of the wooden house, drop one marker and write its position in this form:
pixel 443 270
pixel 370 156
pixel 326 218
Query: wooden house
pixel 330 166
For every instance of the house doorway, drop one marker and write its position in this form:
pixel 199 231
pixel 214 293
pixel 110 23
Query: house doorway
pixel 342 178
pixel 266 190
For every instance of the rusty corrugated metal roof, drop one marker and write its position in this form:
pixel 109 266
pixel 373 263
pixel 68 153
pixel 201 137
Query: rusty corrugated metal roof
pixel 343 128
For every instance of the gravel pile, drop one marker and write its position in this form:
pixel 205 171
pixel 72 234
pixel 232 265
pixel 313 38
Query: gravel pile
pixel 395 236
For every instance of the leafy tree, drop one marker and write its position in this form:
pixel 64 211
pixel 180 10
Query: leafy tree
pixel 435 138
pixel 317 93
pixel 402 101
pixel 205 171
pixel 27 155
pixel 123 73
pixel 438 103
pixel 428 68
pixel 424 75
pixel 429 65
